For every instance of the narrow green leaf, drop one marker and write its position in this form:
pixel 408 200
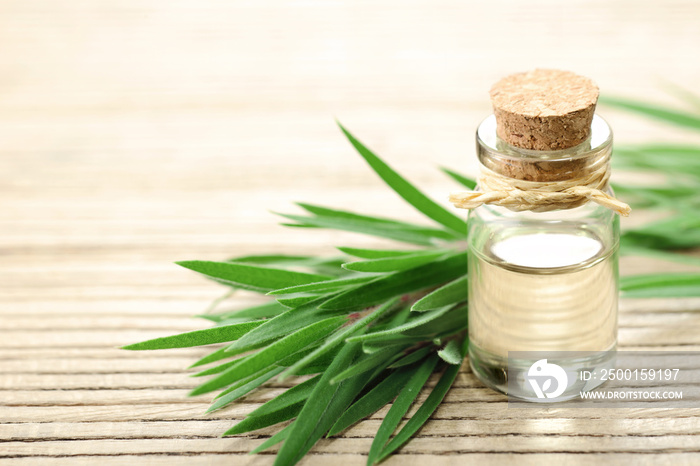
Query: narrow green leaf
pixel 336 339
pixel 374 400
pixel 197 338
pixel 374 253
pixel 272 259
pixel 391 264
pixel 662 255
pixel 321 265
pixel 291 359
pixel 280 325
pixel 274 440
pixel 398 342
pixel 217 355
pixel 658 112
pixel 296 301
pixel 412 357
pixel 243 390
pixel 426 409
pixel 322 409
pixel 452 322
pixel 271 354
pixel 468 183
pixel 668 285
pixel 251 277
pixel 217 369
pixel 379 221
pixel 454 292
pixel 451 353
pixel 297 393
pixel 677 232
pixel 250 424
pixel 369 228
pixel 261 311
pixel 327 285
pixel 398 409
pixel 406 190
pixel 367 362
pixel 404 281
pixel 412 323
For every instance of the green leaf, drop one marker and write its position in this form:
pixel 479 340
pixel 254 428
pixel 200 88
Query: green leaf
pixel 658 112
pixel 662 255
pixel 243 390
pixel 367 362
pixel 379 221
pixel 663 197
pixel 374 253
pixel 426 409
pixel 677 232
pixel 452 322
pixel 217 355
pixel 338 338
pixel 271 354
pixel 391 264
pixel 412 323
pixel 322 409
pixel 406 190
pixel 412 357
pixel 461 179
pixel 297 393
pixel 250 424
pixel 320 265
pixel 454 292
pixel 667 157
pixel 327 285
pixel 197 338
pixel 273 259
pixel 405 281
pixel 269 309
pixel 399 342
pixel 403 402
pixel 251 277
pixel 217 369
pixel 451 353
pixel 373 400
pixel 666 285
pixel 280 325
pixel 274 440
pixel 395 232
pixel 296 301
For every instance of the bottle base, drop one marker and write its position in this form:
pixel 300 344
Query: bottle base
pixel 510 375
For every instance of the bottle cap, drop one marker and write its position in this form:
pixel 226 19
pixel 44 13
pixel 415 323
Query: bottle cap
pixel 544 109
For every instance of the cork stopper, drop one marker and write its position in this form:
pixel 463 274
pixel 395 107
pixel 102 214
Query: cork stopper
pixel 544 109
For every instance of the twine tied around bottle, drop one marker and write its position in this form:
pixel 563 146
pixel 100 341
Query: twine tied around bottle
pixel 519 195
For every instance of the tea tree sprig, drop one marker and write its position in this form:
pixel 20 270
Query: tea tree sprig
pixel 370 327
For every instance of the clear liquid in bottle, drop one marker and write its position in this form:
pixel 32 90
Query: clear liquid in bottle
pixel 540 291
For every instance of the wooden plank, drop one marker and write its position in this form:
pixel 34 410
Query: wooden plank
pixel 454 411
pixel 363 429
pixel 434 445
pixel 315 459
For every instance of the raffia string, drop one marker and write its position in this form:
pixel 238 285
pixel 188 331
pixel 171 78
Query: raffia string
pixel 519 195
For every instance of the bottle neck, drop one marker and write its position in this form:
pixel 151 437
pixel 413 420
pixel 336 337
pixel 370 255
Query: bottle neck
pixel 544 166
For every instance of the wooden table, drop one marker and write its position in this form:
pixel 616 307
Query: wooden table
pixel 137 133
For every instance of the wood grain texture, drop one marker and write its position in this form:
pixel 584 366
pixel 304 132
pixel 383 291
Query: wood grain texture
pixel 135 133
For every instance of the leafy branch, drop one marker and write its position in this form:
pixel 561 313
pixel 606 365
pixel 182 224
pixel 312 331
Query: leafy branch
pixel 371 327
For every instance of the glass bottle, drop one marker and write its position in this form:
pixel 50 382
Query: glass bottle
pixel 542 281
